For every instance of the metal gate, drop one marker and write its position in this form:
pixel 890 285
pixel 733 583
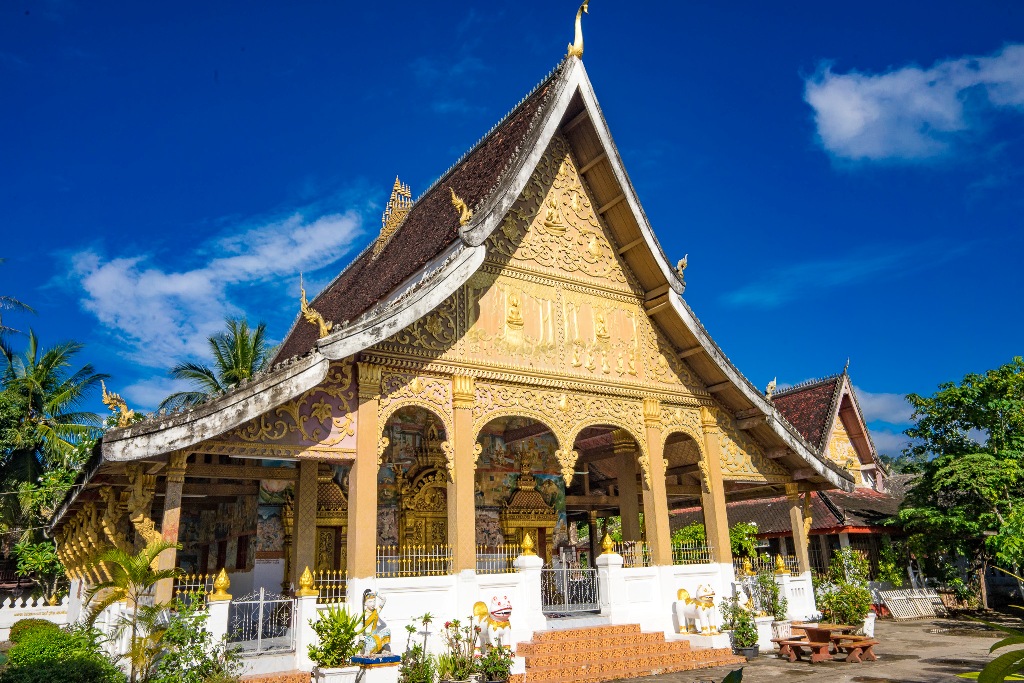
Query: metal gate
pixel 569 591
pixel 262 622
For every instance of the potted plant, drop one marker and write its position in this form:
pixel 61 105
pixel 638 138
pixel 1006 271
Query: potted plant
pixel 457 662
pixel 418 665
pixel 339 638
pixel 843 597
pixel 496 665
pixel 739 621
pixel 774 603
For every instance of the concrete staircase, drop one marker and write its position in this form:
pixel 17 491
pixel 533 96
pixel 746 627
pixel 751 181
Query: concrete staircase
pixel 605 653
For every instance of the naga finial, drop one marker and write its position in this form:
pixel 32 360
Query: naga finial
pixel 681 268
pixel 312 315
pixel 770 389
pixel 465 213
pixel 117 405
pixel 576 49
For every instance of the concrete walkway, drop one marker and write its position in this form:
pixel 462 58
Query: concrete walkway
pixel 924 651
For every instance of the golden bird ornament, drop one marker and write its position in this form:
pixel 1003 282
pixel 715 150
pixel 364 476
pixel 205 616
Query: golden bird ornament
pixel 576 49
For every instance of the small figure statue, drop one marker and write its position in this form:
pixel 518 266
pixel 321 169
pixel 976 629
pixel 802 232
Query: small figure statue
pixel 493 623
pixel 376 634
pixel 770 389
pixel 697 614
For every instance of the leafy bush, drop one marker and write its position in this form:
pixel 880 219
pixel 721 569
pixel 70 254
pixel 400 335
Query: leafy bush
pixel 740 621
pixel 418 665
pixel 496 665
pixel 23 626
pixel 188 653
pixel 843 597
pixel 891 562
pixel 691 534
pixel 69 656
pixel 772 600
pixel 339 634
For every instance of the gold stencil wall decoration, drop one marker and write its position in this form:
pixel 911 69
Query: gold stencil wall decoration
pixel 554 228
pixel 679 419
pixel 743 459
pixel 842 452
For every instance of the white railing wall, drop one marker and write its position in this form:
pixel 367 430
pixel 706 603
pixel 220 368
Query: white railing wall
pixel 15 609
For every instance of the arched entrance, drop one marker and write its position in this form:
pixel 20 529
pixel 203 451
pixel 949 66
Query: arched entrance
pixel 518 490
pixel 684 489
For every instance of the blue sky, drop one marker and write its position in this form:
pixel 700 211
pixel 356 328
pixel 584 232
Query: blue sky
pixel 845 178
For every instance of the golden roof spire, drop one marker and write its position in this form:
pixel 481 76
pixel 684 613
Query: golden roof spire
pixel 576 49
pixel 312 315
pixel 394 214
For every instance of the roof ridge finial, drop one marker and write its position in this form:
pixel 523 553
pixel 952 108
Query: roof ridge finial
pixel 846 368
pixel 576 49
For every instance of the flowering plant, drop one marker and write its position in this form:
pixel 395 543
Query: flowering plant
pixel 458 661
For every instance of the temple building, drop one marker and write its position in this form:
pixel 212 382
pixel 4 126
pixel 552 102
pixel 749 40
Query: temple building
pixel 512 353
pixel 827 414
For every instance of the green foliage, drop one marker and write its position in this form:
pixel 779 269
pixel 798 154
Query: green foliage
pixel 69 656
pixel 843 597
pixel 968 498
pixel 238 354
pixel 892 562
pixel 418 665
pixel 339 634
pixel 1007 665
pixel 22 627
pixel 738 619
pixel 188 653
pixel 460 644
pixel 39 562
pixel 496 664
pixel 772 599
pixel 743 539
pixel 735 676
pixel 691 534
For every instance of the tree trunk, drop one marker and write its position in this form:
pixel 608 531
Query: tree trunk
pixel 984 588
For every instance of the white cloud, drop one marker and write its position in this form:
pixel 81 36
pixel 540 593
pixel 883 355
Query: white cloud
pixel 888 442
pixel 162 315
pixel 146 394
pixel 884 407
pixel 912 113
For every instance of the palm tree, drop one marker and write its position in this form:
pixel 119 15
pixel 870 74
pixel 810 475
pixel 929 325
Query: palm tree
pixel 9 303
pixel 51 395
pixel 132 577
pixel 238 353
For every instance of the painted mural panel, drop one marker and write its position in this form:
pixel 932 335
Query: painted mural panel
pixel 842 452
pixel 320 423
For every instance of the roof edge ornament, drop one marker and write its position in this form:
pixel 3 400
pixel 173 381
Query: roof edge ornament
pixel 394 215
pixel 681 271
pixel 576 48
pixel 465 213
pixel 311 314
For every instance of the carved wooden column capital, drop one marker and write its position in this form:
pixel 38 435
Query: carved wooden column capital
pixel 463 392
pixel 369 381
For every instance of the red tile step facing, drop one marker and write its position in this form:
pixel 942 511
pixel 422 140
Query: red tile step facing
pixel 606 653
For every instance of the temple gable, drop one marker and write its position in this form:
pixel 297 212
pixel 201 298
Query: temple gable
pixel 552 296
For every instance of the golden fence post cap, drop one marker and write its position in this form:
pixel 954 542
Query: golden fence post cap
pixel 220 587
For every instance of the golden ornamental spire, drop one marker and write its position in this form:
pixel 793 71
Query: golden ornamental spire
pixel 117 405
pixel 780 565
pixel 607 545
pixel 220 587
pixel 527 544
pixel 312 315
pixel 576 49
pixel 394 214
pixel 465 213
pixel 306 584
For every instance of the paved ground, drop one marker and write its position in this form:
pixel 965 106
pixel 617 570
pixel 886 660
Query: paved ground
pixel 911 652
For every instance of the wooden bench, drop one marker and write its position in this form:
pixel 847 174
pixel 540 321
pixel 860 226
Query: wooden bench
pixel 856 647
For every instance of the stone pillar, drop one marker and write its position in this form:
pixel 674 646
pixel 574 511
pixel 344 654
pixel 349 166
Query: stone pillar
pixel 304 519
pixel 461 498
pixel 629 508
pixel 659 535
pixel 169 526
pixel 716 516
pixel 799 511
pixel 362 481
pixel 218 606
pixel 531 614
pixel 306 614
pixel 612 589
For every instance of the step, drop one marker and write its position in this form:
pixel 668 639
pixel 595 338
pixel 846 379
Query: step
pixel 594 653
pixel 562 635
pixel 631 668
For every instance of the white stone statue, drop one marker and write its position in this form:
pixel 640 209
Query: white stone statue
pixel 697 614
pixel 495 630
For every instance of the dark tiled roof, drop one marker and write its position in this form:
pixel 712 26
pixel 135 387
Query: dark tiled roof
pixel 770 514
pixel 431 226
pixel 808 407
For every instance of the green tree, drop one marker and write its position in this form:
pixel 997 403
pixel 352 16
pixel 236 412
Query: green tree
pixel 132 577
pixel 238 354
pixel 967 501
pixel 39 562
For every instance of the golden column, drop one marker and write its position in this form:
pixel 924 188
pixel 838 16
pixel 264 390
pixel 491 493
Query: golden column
pixel 716 517
pixel 796 519
pixel 172 518
pixel 625 449
pixel 461 487
pixel 362 481
pixel 304 519
pixel 659 535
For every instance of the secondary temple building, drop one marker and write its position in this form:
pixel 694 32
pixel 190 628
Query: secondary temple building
pixel 510 356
